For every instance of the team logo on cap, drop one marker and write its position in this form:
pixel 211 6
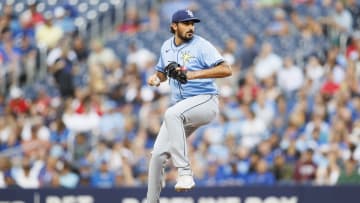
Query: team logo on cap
pixel 190 13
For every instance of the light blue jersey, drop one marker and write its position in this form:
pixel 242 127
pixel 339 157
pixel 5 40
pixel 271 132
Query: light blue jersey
pixel 197 54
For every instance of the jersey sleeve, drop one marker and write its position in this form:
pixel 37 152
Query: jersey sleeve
pixel 210 55
pixel 161 64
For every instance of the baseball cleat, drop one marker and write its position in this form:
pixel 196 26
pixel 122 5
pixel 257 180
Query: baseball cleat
pixel 184 183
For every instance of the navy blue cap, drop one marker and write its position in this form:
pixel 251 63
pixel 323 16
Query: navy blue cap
pixel 184 15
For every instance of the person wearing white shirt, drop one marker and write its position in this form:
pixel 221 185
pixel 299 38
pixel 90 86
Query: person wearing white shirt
pixel 26 176
pixel 253 130
pixel 342 18
pixel 290 77
pixel 267 63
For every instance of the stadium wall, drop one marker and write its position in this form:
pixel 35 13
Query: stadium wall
pixel 248 194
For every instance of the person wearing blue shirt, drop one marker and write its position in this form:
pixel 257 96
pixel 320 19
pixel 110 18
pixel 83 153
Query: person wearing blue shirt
pixel 103 178
pixel 261 175
pixel 193 104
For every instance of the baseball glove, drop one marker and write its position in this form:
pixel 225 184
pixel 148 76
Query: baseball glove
pixel 177 72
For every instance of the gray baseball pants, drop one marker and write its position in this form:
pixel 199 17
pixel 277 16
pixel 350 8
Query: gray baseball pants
pixel 180 120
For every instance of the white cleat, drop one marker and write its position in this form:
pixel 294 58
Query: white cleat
pixel 184 183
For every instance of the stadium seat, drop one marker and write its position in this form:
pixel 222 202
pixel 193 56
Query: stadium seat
pixel 19 7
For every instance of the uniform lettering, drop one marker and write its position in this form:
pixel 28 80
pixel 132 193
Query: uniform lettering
pixel 70 199
pixel 130 200
pixel 219 200
pixel 17 201
pixel 271 199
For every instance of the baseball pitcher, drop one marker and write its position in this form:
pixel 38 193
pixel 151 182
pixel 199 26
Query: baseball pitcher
pixel 190 63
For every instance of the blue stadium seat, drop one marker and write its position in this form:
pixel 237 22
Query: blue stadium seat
pixel 82 7
pixel 73 2
pixel 19 7
pixel 10 2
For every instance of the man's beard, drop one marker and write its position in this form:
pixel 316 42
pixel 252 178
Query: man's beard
pixel 184 38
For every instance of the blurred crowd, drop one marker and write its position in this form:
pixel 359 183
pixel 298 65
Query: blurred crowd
pixel 91 120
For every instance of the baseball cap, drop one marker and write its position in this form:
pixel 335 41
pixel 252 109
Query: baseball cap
pixel 184 15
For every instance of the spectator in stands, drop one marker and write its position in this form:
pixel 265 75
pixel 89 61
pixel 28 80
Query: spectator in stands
pixel 67 178
pixel 335 65
pixel 264 149
pixel 48 171
pixel 249 88
pixel 9 59
pixel 314 73
pixel 27 53
pixel 131 23
pixel 31 17
pixel 11 18
pixel 100 153
pixel 242 157
pixel 279 26
pixel 64 21
pixel 264 108
pixel 282 115
pixel 282 170
pixel 153 20
pixel 82 114
pixel 261 175
pixel 290 77
pixel 230 50
pixel 81 147
pixel 248 52
pixel 125 177
pixel 42 103
pixel 271 89
pixel 233 177
pixel 297 21
pixel 213 175
pixel 343 20
pixel 26 176
pixel 267 62
pixel 97 80
pixel 112 124
pixel 62 62
pixel 139 56
pixel 48 34
pixel 354 8
pixel 328 171
pixel 253 130
pixel 317 129
pixel 5 166
pixel 349 174
pixel 31 145
pixel 80 49
pixel 103 177
pixel 18 104
pixel 305 168
pixel 339 22
pixel 55 182
pixel 59 133
pixel 330 86
pixel 100 54
pixel 352 80
pixel 85 171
